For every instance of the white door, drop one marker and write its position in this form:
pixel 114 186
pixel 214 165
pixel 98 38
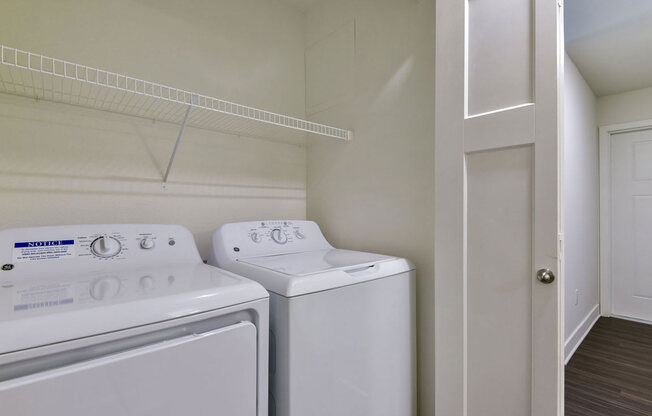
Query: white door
pixel 631 225
pixel 498 328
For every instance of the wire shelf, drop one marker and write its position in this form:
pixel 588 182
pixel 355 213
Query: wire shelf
pixel 37 76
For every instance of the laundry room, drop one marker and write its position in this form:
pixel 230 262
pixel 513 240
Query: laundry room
pixel 201 114
pixel 325 207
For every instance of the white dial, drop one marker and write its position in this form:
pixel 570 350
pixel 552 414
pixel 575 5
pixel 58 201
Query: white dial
pixel 255 237
pixel 299 234
pixel 146 243
pixel 105 288
pixel 279 236
pixel 105 246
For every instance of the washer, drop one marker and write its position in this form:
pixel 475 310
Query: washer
pixel 342 322
pixel 109 320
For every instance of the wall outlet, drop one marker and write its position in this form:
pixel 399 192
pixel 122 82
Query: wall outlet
pixel 577 297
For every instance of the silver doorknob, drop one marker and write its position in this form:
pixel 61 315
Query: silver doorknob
pixel 545 276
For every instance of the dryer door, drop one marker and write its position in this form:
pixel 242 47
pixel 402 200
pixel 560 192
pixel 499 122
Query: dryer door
pixel 205 374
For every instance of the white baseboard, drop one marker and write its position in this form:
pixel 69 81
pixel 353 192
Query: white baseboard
pixel 582 330
pixel 629 318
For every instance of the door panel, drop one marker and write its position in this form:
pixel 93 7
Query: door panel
pixel 202 375
pixel 643 160
pixel 499 54
pixel 631 190
pixel 498 329
pixel 499 326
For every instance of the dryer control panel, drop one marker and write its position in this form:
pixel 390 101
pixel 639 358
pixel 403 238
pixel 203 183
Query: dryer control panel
pixel 73 266
pixel 75 249
pixel 267 237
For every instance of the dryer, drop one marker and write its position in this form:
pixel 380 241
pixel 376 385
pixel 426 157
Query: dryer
pixel 342 322
pixel 109 320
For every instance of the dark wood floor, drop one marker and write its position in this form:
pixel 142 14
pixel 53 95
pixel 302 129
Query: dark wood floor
pixel 610 374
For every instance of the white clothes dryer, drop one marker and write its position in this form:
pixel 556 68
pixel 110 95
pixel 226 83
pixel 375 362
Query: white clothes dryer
pixel 110 320
pixel 342 322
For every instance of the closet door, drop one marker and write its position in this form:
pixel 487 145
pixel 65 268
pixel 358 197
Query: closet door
pixel 631 224
pixel 498 336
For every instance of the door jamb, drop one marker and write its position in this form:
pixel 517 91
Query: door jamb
pixel 606 133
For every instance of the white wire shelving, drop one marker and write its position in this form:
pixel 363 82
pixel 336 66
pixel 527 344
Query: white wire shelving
pixel 33 75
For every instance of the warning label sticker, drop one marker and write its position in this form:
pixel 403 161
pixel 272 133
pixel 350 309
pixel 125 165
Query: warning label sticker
pixel 43 250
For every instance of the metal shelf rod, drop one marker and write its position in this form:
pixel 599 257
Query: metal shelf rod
pixel 176 145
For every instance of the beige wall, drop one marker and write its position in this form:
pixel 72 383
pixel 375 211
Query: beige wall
pixel 626 107
pixel 61 164
pixel 376 193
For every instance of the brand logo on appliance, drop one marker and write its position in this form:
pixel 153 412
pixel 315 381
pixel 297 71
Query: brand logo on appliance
pixel 44 243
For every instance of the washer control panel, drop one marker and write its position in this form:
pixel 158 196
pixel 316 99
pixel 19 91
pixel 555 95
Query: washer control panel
pixel 278 232
pixel 264 238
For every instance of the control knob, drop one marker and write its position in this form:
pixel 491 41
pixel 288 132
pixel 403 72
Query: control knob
pixel 255 237
pixel 147 243
pixel 279 236
pixel 105 246
pixel 299 234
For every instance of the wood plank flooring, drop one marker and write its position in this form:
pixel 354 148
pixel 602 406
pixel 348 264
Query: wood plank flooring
pixel 610 374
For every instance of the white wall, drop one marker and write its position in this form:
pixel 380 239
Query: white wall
pixel 623 108
pixel 60 164
pixel 376 193
pixel 581 205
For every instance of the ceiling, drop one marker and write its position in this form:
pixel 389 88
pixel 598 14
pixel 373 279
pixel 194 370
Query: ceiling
pixel 610 41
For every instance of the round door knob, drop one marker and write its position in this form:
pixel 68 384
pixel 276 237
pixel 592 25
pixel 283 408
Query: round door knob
pixel 545 276
pixel 105 246
pixel 105 288
pixel 279 236
pixel 147 243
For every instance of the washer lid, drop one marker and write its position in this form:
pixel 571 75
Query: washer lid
pixel 311 262
pixel 297 274
pixel 39 311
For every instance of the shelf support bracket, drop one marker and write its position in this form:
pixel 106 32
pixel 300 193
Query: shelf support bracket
pixel 176 145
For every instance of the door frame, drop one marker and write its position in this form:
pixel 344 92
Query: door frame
pixel 605 138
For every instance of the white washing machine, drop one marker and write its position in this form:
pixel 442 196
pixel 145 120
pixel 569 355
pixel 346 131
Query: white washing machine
pixel 109 320
pixel 342 322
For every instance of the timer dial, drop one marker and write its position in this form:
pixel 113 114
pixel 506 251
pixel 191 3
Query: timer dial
pixel 279 236
pixel 105 246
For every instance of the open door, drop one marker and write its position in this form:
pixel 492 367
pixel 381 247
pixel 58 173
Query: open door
pixel 497 236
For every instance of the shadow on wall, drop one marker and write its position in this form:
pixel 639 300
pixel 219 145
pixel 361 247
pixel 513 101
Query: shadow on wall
pixel 63 164
pixel 60 140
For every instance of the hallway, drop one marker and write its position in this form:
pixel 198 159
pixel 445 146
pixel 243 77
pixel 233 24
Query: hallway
pixel 610 374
